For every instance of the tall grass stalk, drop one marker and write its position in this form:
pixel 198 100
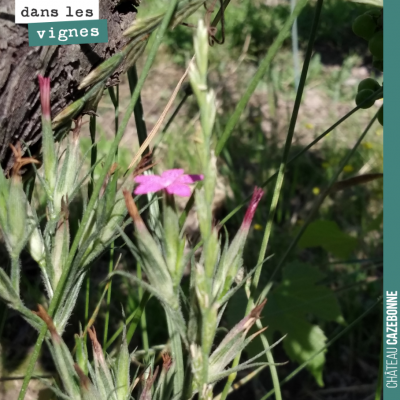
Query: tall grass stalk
pixel 142 136
pixel 115 100
pixel 262 70
pixel 138 109
pixel 96 190
pixel 295 48
pixel 274 202
pixel 93 160
pixel 288 142
pixel 108 301
pixel 143 322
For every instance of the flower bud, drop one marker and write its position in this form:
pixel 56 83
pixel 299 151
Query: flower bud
pixel 103 71
pixel 35 245
pixel 81 353
pixel 68 113
pixel 234 342
pixel 49 151
pixel 61 356
pixel 103 374
pixel 232 260
pixel 16 216
pixel 201 50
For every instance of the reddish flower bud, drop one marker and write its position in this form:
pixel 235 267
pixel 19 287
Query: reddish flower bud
pixel 44 85
pixel 248 218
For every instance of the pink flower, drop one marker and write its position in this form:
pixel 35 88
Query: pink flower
pixel 255 199
pixel 44 85
pixel 173 181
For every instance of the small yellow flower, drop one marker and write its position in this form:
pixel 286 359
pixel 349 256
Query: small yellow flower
pixel 379 132
pixel 309 126
pixel 258 227
pixel 368 145
pixel 316 191
pixel 348 168
pixel 325 165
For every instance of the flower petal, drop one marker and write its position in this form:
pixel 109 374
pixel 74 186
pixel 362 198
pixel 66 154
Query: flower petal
pixel 148 178
pixel 179 189
pixel 171 175
pixel 148 187
pixel 189 178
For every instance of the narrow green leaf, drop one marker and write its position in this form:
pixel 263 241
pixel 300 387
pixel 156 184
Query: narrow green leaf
pixel 263 68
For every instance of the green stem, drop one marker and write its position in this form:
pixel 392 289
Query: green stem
pixel 271 95
pixel 115 101
pixel 274 203
pixel 270 358
pixel 96 190
pixel 87 300
pixel 143 322
pixel 288 143
pixel 333 340
pixel 177 356
pixel 32 362
pixel 93 152
pixel 93 159
pixel 138 110
pixel 29 185
pixel 15 273
pixel 136 316
pixel 153 211
pixel 263 68
pixel 177 109
pixel 107 319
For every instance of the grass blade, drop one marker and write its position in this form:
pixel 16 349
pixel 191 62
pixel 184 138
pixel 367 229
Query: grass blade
pixel 263 68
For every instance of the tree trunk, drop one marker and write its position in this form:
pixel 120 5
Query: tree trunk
pixel 66 66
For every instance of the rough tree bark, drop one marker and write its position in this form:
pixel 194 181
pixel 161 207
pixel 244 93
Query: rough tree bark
pixel 65 65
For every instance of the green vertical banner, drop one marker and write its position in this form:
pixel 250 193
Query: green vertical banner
pixel 391 203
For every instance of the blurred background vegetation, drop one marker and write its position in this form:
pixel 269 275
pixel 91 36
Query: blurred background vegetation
pixel 345 247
